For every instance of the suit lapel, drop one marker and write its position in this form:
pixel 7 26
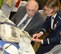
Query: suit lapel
pixel 31 24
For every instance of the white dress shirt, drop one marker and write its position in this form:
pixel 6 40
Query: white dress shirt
pixel 52 21
pixel 24 18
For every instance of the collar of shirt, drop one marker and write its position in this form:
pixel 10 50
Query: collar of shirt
pixel 30 17
pixel 54 15
pixel 26 15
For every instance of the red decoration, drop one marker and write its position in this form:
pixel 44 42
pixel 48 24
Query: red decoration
pixel 17 3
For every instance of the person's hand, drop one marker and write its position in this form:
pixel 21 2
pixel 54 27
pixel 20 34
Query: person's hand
pixel 36 40
pixel 37 35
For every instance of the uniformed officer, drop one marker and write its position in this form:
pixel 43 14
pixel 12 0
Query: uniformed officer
pixel 52 23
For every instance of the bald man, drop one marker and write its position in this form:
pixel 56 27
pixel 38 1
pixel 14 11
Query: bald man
pixel 29 11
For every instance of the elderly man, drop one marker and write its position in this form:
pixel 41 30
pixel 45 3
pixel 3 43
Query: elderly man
pixel 29 11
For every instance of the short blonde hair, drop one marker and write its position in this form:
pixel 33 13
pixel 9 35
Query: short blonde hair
pixel 53 4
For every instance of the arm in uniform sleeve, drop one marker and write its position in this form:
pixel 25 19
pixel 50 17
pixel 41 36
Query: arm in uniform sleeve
pixel 53 40
pixel 55 37
pixel 46 25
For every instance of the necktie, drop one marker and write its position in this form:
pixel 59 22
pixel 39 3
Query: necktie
pixel 52 22
pixel 24 23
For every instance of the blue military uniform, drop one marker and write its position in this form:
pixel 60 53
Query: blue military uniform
pixel 53 37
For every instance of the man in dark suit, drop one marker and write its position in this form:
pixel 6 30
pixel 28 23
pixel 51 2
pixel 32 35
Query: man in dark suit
pixel 52 24
pixel 30 11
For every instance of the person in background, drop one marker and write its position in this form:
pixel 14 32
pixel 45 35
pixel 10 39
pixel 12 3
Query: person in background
pixel 41 3
pixel 15 8
pixel 52 24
